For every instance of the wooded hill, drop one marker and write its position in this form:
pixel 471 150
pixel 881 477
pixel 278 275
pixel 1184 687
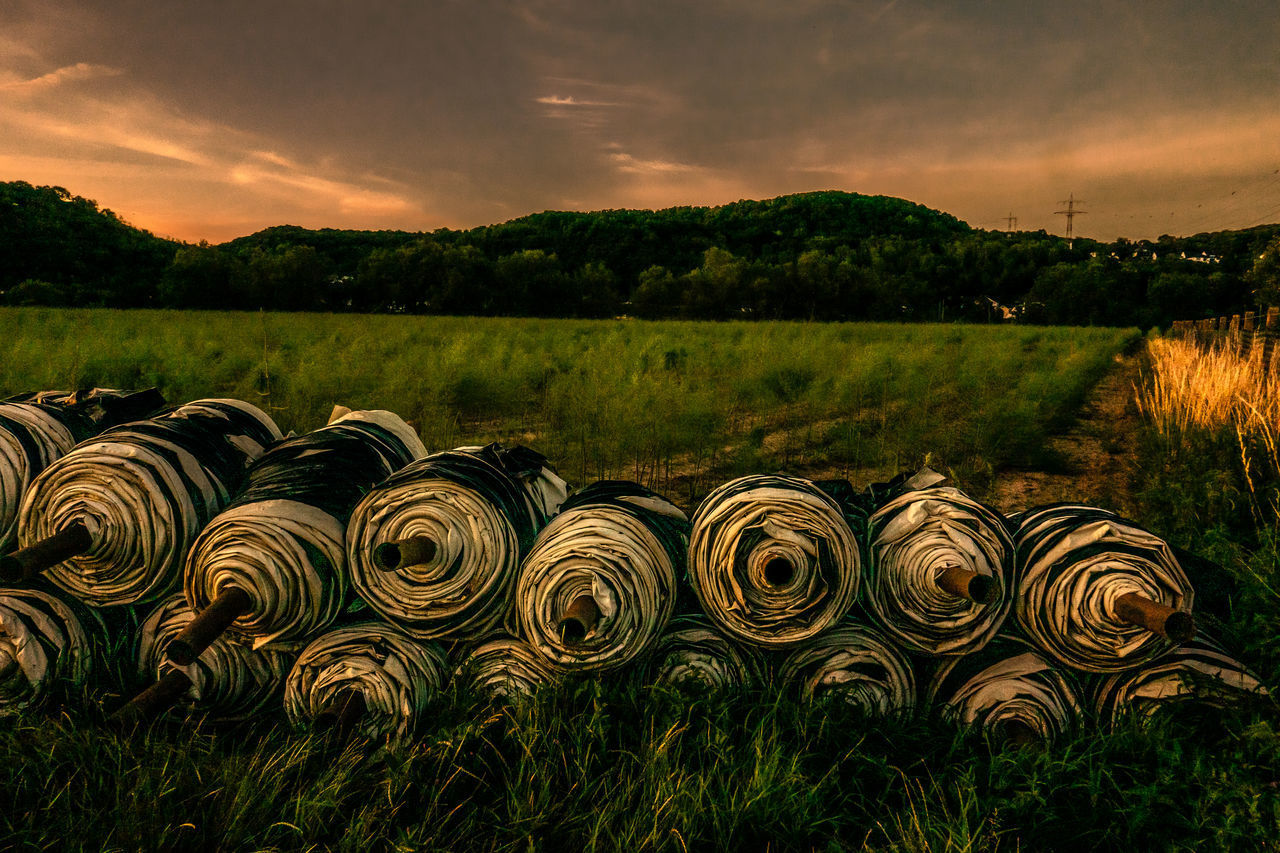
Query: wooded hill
pixel 822 256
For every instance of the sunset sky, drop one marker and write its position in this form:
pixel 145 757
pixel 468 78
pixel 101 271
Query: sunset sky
pixel 211 120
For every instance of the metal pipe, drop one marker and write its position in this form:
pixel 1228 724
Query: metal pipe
pixel 1139 610
pixel 30 561
pixel 981 589
pixel 394 556
pixel 208 625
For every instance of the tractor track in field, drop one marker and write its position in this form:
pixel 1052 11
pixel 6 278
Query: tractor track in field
pixel 1098 452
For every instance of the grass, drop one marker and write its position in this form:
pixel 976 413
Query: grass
pixel 617 766
pixel 679 406
pixel 614 765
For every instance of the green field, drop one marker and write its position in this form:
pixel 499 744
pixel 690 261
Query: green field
pixel 615 765
pixel 678 406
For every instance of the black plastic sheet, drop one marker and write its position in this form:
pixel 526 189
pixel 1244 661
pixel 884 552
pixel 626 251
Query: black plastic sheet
pixel 616 547
pixel 855 664
pixel 773 559
pixel 1008 688
pixel 283 540
pixel 395 675
pixel 144 490
pixel 916 534
pixel 229 681
pixel 481 508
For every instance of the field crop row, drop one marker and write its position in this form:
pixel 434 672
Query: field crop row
pixel 675 405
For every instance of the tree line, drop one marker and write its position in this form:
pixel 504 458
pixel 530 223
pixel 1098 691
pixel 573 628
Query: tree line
pixel 812 256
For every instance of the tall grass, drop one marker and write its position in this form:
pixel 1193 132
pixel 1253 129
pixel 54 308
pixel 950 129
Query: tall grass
pixel 676 405
pixel 1212 400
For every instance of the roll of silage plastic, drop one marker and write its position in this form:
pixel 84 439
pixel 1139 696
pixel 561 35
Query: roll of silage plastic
pixel 47 643
pixel 120 511
pixel 229 681
pixel 1198 676
pixel 599 584
pixel 1096 591
pixel 938 568
pixel 503 669
pixel 436 548
pixel 272 567
pixel 1008 689
pixel 773 560
pixel 855 664
pixel 391 676
pixel 36 429
pixel 692 653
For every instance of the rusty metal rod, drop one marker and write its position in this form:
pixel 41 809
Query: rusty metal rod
pixel 1139 610
pixel 156 699
pixel 579 619
pixel 964 583
pixel 343 713
pixel 208 625
pixel 393 556
pixel 30 561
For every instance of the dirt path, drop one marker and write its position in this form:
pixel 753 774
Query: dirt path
pixel 1098 452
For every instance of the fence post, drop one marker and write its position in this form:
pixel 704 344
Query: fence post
pixel 1269 335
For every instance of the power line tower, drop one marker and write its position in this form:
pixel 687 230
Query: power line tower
pixel 1010 221
pixel 1071 213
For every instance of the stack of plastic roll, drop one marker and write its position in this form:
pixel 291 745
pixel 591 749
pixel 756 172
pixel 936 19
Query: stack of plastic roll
pixel 228 681
pixel 36 429
pixel 391 675
pixel 599 584
pixel 855 664
pixel 1197 676
pixel 436 548
pixel 1098 592
pixel 504 669
pixel 132 499
pixel 692 653
pixel 938 567
pixel 1008 689
pixel 773 560
pixel 46 642
pixel 275 560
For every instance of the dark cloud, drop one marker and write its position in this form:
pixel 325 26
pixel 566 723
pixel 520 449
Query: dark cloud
pixel 416 115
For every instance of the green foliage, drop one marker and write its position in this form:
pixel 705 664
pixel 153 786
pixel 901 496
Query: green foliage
pixel 669 403
pixel 809 256
pixel 617 766
pixel 1265 275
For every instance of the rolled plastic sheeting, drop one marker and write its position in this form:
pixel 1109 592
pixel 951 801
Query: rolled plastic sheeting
pixel 144 490
pixel 396 676
pixel 46 643
pixel 773 560
pixel 692 653
pixel 615 549
pixel 1009 689
pixel 480 508
pixel 912 541
pixel 229 681
pixel 855 664
pixel 504 669
pixel 283 540
pixel 1198 675
pixel 1072 564
pixel 36 429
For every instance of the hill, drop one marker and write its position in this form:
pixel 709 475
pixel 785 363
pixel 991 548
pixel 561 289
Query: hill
pixel 812 256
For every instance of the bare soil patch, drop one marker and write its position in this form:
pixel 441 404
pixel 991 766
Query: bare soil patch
pixel 1098 452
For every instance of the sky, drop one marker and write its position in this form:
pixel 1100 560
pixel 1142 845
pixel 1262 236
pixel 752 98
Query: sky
pixel 212 120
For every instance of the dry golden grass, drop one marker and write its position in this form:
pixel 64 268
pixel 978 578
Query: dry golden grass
pixel 1194 387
